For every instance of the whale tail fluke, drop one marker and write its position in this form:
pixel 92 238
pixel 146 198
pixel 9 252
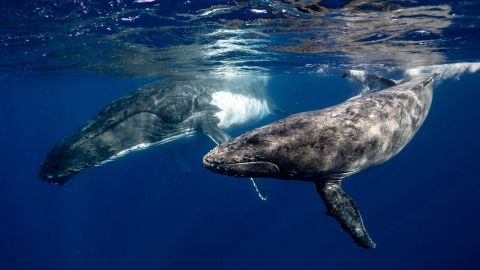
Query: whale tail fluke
pixel 344 209
pixel 429 79
pixel 371 82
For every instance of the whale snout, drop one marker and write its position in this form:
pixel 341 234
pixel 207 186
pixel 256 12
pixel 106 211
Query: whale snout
pixel 50 175
pixel 63 162
pixel 238 163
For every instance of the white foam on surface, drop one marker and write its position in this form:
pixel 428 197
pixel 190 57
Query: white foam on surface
pixel 258 11
pixel 237 109
pixel 446 71
pixel 214 11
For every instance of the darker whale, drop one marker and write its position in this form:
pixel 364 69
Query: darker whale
pixel 328 145
pixel 157 113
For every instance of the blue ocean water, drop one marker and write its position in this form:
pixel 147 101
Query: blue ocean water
pixel 159 209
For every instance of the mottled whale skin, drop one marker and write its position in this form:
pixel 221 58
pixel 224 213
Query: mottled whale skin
pixel 325 146
pixel 156 113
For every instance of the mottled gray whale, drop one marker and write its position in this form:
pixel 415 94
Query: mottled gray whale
pixel 325 146
pixel 158 113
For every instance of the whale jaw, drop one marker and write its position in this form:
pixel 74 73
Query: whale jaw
pixel 241 169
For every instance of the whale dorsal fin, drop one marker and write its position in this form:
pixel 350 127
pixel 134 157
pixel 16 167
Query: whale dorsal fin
pixel 372 82
pixel 345 211
pixel 218 136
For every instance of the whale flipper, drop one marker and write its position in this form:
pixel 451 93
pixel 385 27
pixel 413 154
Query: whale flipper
pixel 211 129
pixel 345 211
pixel 372 82
pixel 219 136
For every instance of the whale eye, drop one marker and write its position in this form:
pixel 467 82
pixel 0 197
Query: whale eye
pixel 258 139
pixel 255 139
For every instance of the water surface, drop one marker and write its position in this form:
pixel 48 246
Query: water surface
pixel 62 61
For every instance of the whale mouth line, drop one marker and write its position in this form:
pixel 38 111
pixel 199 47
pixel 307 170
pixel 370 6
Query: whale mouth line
pixel 208 161
pixel 240 163
pixel 243 169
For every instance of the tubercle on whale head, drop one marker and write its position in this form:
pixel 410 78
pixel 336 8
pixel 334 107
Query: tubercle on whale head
pixel 56 180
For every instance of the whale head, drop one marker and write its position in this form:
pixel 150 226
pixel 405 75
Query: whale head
pixel 241 165
pixel 253 154
pixel 64 161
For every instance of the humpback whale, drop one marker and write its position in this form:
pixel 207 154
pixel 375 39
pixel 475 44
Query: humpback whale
pixel 158 113
pixel 328 145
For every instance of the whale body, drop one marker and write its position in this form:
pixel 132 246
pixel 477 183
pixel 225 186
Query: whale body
pixel 326 146
pixel 157 113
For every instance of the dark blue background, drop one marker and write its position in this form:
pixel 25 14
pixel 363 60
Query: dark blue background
pixel 159 209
